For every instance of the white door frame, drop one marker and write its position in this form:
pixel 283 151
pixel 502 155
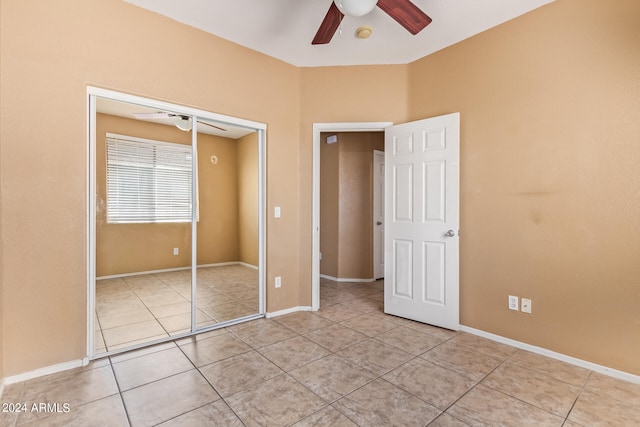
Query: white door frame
pixel 315 221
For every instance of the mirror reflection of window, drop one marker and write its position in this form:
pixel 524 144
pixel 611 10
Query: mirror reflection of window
pixel 147 180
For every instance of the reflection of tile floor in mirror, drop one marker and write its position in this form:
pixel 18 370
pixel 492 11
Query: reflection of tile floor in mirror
pixel 137 309
pixel 348 364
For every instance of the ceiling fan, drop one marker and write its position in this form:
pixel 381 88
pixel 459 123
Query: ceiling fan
pixel 182 122
pixel 404 12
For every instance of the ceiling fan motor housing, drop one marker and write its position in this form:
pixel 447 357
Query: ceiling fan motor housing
pixel 355 7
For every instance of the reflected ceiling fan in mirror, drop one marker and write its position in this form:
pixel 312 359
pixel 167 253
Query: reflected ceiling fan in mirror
pixel 182 122
pixel 403 12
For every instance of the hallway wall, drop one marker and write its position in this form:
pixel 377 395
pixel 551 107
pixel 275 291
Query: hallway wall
pixel 346 204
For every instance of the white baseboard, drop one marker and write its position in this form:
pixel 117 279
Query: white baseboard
pixel 141 273
pixel 287 311
pixel 244 264
pixel 47 370
pixel 553 355
pixel 168 270
pixel 346 279
pixel 216 264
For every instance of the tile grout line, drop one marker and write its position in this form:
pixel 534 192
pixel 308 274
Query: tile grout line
pixel 565 418
pixel 115 377
pixel 375 378
pixel 211 385
pixel 157 277
pixel 582 390
pixel 474 386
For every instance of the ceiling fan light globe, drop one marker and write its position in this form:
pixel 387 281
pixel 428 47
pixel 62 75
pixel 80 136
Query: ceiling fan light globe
pixel 355 7
pixel 183 124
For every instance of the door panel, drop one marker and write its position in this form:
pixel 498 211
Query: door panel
pixel 434 200
pixel 402 259
pixel 402 194
pixel 433 264
pixel 421 238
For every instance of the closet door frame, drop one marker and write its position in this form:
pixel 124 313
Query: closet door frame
pixel 92 94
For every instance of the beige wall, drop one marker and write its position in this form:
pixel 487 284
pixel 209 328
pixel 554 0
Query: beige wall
pixel 48 57
pixel 346 204
pixel 550 202
pixel 247 173
pixel 549 199
pixel 1 240
pixel 2 310
pixel 329 206
pixel 127 248
pixel 218 198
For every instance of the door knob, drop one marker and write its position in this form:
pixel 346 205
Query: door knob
pixel 379 223
pixel 450 233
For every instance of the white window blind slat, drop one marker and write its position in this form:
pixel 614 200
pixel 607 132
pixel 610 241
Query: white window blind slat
pixel 147 181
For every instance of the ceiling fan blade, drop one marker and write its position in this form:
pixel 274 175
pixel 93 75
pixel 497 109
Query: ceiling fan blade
pixel 213 126
pixel 329 25
pixel 406 14
pixel 158 115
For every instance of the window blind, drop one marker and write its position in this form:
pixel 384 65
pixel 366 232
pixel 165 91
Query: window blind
pixel 147 181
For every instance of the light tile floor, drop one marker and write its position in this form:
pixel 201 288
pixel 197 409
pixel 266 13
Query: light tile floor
pixel 138 309
pixel 346 365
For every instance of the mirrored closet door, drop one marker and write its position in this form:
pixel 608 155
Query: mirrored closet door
pixel 227 274
pixel 177 231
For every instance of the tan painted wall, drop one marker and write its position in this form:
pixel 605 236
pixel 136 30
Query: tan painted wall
pixel 346 235
pixel 127 248
pixel 329 206
pixel 550 201
pixel 2 309
pixel 356 203
pixel 218 192
pixel 48 57
pixel 247 171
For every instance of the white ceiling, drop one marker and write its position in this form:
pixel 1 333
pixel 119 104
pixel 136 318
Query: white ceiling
pixel 284 28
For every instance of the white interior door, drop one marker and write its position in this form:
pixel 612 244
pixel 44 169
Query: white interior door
pixel 378 214
pixel 422 214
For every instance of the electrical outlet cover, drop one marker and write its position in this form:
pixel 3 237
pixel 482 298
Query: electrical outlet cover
pixel 526 305
pixel 513 302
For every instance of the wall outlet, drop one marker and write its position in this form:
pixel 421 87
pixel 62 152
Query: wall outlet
pixel 278 281
pixel 175 251
pixel 526 305
pixel 277 212
pixel 513 303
